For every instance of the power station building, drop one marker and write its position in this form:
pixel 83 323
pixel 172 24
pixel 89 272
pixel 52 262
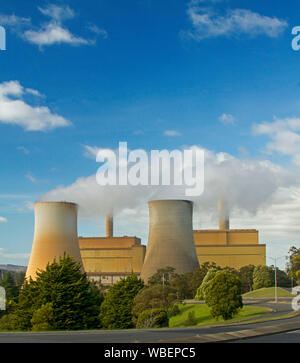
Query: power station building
pixel 108 259
pixel 172 242
pixel 229 247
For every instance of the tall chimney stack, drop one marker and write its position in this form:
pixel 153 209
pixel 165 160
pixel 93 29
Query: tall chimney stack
pixel 223 215
pixel 109 223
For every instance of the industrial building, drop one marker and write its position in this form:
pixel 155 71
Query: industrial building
pixel 229 247
pixel 107 259
pixel 172 242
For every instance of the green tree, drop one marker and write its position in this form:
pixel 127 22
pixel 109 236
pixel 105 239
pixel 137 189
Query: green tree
pixel 181 284
pixel 199 275
pixel 116 309
pixel 42 318
pixel 10 286
pixel 224 295
pixel 11 292
pixel 294 266
pixel 246 277
pixel 154 297
pixel 263 276
pixel 201 292
pixel 163 276
pixel 75 300
pixel 283 279
pixel 9 322
pixel 19 279
pixel 153 318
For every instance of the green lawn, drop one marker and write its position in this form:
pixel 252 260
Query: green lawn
pixel 267 292
pixel 203 316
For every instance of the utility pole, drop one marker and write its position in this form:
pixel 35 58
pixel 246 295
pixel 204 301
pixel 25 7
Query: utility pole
pixel 275 265
pixel 276 297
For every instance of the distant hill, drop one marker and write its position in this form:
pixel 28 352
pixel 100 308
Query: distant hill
pixel 13 268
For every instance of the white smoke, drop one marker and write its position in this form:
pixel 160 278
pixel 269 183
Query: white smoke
pixel 247 185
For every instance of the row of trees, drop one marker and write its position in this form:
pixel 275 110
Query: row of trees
pixel 62 297
pixel 129 303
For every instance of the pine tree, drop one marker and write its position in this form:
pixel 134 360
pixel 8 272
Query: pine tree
pixel 75 301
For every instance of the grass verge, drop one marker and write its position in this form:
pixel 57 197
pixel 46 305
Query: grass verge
pixel 202 316
pixel 267 292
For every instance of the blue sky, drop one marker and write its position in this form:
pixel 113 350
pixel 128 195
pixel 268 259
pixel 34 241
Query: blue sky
pixel 221 75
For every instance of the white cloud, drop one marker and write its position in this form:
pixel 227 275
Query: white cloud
pixel 14 21
pixel 91 151
pixel 51 34
pixel 284 135
pixel 15 111
pixel 34 92
pixel 58 13
pixel 208 23
pixel 30 177
pixel 227 119
pixel 248 184
pixel 53 31
pixel 172 133
pixel 95 29
pixel 23 149
pixel 3 220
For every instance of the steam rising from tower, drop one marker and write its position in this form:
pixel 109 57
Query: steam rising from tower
pixel 109 226
pixel 55 234
pixel 171 240
pixel 223 215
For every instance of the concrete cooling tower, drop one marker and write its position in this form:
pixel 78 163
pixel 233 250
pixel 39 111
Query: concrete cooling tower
pixel 171 240
pixel 55 233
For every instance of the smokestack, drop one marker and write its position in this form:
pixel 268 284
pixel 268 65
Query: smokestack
pixel 109 224
pixel 171 239
pixel 223 215
pixel 55 234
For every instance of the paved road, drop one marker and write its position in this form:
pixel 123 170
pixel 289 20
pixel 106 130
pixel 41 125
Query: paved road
pixel 129 336
pixel 291 337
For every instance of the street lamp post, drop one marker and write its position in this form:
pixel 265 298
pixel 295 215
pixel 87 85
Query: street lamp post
pixel 275 265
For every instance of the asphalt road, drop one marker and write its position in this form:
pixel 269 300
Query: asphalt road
pixel 131 336
pixel 290 337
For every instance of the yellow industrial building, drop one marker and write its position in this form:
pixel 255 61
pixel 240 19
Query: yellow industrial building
pixel 107 259
pixel 233 247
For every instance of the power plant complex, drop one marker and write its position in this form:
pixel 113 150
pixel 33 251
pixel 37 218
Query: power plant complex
pixel 172 242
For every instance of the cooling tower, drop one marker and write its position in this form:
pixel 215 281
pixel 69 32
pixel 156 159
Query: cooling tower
pixel 171 240
pixel 223 215
pixel 55 233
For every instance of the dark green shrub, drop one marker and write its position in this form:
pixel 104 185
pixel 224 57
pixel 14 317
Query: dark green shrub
pixel 154 318
pixel 191 319
pixel 174 310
